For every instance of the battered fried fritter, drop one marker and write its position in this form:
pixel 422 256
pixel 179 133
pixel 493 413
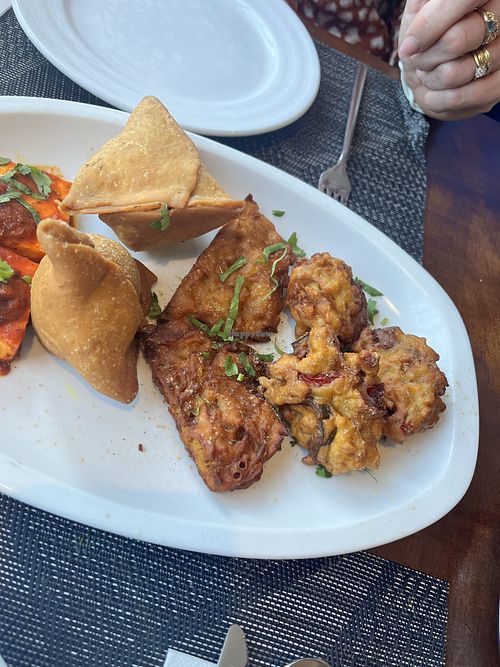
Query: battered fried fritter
pixel 226 426
pixel 203 295
pixel 331 403
pixel 322 288
pixel 412 380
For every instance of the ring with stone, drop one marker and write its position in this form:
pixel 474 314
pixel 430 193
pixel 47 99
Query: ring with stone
pixel 491 25
pixel 483 61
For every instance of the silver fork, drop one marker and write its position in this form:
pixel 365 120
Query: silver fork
pixel 335 181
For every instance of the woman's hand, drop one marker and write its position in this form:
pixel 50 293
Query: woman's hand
pixel 437 38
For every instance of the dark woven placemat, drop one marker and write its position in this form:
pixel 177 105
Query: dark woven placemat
pixel 386 163
pixel 72 596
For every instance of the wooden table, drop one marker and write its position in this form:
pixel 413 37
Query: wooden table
pixel 462 251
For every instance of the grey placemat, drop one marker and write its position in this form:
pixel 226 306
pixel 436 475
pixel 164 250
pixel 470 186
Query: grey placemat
pixel 387 160
pixel 387 163
pixel 72 596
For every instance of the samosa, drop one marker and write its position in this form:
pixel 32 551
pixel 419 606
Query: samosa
pixel 148 184
pixel 87 303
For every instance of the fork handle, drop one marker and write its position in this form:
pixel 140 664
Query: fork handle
pixel 357 92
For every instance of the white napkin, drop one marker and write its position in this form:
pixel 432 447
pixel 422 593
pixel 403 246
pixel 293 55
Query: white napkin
pixel 407 90
pixel 178 659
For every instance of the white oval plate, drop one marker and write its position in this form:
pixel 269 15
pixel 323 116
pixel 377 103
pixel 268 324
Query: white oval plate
pixel 222 68
pixel 71 451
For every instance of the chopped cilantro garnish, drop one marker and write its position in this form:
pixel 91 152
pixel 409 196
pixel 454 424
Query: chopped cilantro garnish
pixel 321 471
pixel 372 309
pixel 9 195
pixel 5 160
pixel 20 186
pixel 198 324
pixel 40 178
pixel 384 322
pixel 240 377
pixel 211 332
pixel 215 330
pixel 292 242
pixel 230 366
pixel 234 267
pixel 268 250
pixel 277 213
pixel 265 357
pixel 27 279
pixel 163 221
pixel 249 369
pixel 276 262
pixel 233 308
pixel 24 169
pixel 278 349
pixel 29 208
pixel 372 291
pixel 154 309
pixel 6 271
pixel 273 269
pixel 9 174
pixel 205 355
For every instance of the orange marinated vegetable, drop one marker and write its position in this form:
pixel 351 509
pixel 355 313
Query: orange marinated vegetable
pixel 16 273
pixel 28 194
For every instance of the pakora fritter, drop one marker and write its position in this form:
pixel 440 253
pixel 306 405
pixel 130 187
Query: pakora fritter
pixel 322 289
pixel 240 243
pixel 331 403
pixel 214 397
pixel 413 383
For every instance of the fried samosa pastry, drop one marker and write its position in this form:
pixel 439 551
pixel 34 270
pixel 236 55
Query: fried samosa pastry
pixel 148 184
pixel 203 295
pixel 86 307
pixel 227 427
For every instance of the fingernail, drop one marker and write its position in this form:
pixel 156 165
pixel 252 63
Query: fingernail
pixel 409 47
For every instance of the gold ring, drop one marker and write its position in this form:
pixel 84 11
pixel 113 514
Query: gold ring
pixel 483 61
pixel 491 26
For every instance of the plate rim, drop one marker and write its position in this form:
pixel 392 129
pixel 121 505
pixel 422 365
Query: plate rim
pixel 308 89
pixel 247 546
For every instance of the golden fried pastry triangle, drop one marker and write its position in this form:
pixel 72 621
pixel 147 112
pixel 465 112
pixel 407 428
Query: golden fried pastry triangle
pixel 150 173
pixel 86 307
pixel 152 161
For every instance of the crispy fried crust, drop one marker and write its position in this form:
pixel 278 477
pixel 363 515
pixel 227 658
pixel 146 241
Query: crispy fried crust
pixel 322 289
pixel 203 295
pixel 411 377
pixel 226 426
pixel 331 402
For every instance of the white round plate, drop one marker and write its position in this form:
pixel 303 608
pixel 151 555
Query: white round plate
pixel 71 451
pixel 222 68
pixel 4 6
